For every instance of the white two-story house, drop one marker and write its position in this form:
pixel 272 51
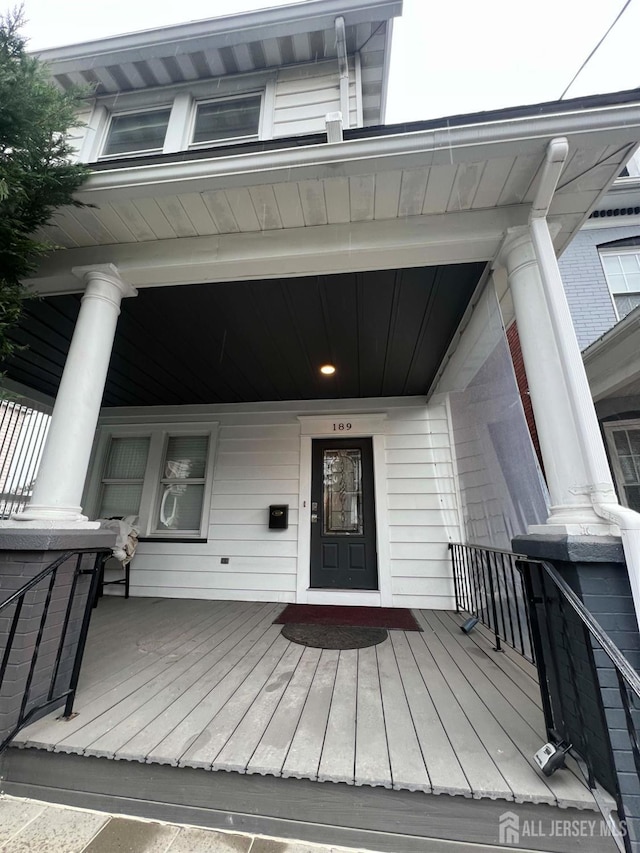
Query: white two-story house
pixel 275 334
pixel 260 225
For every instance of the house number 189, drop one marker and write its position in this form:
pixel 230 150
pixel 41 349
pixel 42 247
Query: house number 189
pixel 341 427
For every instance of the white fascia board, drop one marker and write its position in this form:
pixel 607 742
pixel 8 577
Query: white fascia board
pixel 228 30
pixel 469 143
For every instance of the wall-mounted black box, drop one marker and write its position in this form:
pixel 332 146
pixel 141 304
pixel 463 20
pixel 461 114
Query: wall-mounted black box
pixel 279 516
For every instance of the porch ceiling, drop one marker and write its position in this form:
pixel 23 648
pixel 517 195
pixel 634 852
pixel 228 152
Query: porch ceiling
pixel 385 331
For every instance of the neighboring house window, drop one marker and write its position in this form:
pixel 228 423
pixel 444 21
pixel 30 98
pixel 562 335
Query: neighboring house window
pixel 161 475
pixel 231 118
pixel 133 132
pixel 622 270
pixel 623 438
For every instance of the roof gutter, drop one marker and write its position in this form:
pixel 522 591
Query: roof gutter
pixel 422 148
pixel 600 485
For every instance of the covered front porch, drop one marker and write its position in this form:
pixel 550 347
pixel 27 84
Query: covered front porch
pixel 214 685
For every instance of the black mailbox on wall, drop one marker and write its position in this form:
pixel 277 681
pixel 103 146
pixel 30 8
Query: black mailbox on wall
pixel 279 516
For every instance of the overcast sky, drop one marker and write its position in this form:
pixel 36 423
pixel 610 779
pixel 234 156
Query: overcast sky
pixel 450 57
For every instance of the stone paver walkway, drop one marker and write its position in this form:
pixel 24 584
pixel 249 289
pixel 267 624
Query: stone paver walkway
pixel 30 826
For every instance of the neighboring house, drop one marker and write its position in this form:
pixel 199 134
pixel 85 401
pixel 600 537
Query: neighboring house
pixel 601 273
pixel 276 334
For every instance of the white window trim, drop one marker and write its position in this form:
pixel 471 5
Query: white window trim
pixel 610 427
pixel 138 152
pixel 626 250
pixel 151 492
pixel 211 143
pixel 179 98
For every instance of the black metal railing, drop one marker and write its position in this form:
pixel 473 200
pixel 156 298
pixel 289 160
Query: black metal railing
pixel 488 585
pixel 43 632
pixel 590 691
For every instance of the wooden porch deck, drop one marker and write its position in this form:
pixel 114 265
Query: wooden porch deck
pixel 213 684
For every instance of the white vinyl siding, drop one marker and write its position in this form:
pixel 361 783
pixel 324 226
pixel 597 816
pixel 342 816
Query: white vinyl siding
pixel 304 96
pixel 294 102
pixel 77 134
pixel 258 463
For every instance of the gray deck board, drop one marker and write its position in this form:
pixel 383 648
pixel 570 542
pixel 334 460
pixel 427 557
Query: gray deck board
pixel 214 685
pixel 100 711
pixel 213 667
pixel 303 758
pixel 443 765
pixel 203 752
pixel 507 756
pixel 408 770
pixel 146 704
pixel 219 685
pixel 240 746
pixel 372 754
pixel 272 750
pixel 474 757
pixel 337 763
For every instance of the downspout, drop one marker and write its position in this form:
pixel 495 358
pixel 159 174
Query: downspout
pixel 600 486
pixel 343 69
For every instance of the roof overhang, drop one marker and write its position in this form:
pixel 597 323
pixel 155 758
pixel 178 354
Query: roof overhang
pixel 232 44
pixel 444 192
pixel 612 362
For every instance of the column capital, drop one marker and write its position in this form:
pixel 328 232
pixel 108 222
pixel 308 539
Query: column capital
pixel 107 273
pixel 517 247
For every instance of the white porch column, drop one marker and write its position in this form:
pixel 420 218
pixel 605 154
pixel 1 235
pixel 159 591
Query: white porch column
pixel 563 436
pixel 63 469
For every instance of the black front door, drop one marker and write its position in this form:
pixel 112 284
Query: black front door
pixel 343 521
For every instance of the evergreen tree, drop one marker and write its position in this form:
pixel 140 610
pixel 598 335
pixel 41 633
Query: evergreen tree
pixel 36 174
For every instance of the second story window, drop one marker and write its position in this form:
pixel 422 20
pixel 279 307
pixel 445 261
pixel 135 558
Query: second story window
pixel 230 118
pixel 622 270
pixel 133 132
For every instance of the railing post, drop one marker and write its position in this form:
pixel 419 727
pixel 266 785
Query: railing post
pixel 82 639
pixel 492 593
pixel 454 553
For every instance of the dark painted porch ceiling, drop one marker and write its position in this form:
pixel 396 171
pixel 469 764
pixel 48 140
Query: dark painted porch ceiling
pixel 385 331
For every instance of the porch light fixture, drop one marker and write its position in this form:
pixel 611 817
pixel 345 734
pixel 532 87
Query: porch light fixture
pixel 327 369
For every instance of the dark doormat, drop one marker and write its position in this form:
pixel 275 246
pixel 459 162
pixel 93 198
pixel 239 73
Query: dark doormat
pixel 333 636
pixel 392 618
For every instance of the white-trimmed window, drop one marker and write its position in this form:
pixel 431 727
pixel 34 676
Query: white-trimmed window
pixel 225 119
pixel 136 132
pixel 161 474
pixel 623 439
pixel 622 271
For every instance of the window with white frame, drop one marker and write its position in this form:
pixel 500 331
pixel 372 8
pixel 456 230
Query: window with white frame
pixel 131 133
pixel 227 118
pixel 622 271
pixel 161 475
pixel 623 439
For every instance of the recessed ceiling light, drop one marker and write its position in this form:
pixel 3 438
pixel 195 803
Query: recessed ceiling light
pixel 327 369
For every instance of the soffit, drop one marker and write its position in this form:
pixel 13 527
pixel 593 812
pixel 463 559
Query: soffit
pixel 386 332
pixel 231 45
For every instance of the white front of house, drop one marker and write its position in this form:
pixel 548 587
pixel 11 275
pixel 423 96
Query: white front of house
pixel 255 258
pixel 260 455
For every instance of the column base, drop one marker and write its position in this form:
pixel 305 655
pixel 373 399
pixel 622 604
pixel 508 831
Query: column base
pixel 575 520
pixel 47 524
pixel 37 517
